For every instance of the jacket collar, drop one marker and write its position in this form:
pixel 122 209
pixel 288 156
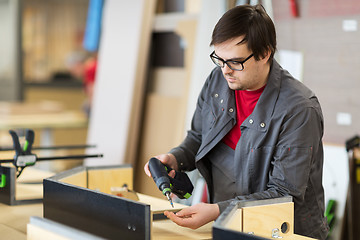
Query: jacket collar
pixel 260 117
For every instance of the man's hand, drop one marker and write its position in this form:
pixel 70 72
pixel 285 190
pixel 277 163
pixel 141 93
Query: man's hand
pixel 195 216
pixel 167 159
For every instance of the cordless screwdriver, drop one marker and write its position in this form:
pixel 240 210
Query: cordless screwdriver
pixel 180 185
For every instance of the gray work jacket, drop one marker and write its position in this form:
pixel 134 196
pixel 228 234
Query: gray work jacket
pixel 279 153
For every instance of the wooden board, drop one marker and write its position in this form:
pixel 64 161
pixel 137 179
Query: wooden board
pixel 162 230
pixel 44 229
pixel 166 229
pixel 103 179
pixel 78 179
pixel 120 81
pixel 158 137
pixel 165 109
pixel 159 205
pixel 38 233
pixel 235 223
pixel 262 219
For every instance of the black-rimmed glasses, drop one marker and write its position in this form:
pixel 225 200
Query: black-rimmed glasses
pixel 232 64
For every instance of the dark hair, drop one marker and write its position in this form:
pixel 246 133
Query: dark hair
pixel 253 23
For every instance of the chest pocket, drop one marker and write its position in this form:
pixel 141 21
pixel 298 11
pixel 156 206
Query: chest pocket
pixel 208 118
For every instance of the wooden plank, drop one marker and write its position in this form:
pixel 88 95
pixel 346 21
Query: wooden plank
pixel 37 233
pixel 166 229
pixel 77 179
pixel 136 114
pixel 120 81
pixel 261 220
pixel 165 85
pixel 235 222
pixel 167 22
pixel 43 229
pixel 103 179
pixel 164 114
pixel 158 205
pixel 161 121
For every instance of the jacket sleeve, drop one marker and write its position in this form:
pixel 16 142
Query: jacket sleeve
pixel 297 156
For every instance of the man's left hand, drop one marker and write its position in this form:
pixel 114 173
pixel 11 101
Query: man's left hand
pixel 195 216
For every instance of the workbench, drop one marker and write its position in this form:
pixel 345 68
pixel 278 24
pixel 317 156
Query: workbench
pixel 79 199
pixel 14 219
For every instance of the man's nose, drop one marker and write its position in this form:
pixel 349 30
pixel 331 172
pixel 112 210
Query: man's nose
pixel 226 69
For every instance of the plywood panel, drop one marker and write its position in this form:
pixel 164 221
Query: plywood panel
pixel 38 233
pixel 235 223
pixel 166 229
pixel 104 179
pixel 165 111
pixel 160 133
pixel 262 219
pixel 158 205
pixel 118 96
pixel 77 179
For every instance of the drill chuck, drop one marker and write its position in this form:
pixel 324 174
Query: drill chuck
pixel 163 183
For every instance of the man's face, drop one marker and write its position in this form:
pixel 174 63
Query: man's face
pixel 255 73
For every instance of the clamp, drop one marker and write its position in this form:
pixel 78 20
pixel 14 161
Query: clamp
pixel 23 156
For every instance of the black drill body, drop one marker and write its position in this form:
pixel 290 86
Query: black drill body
pixel 160 176
pixel 180 185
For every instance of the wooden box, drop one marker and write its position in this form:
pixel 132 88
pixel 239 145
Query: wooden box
pixel 80 198
pixel 257 220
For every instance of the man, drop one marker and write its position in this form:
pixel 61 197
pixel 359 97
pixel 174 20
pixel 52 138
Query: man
pixel 256 132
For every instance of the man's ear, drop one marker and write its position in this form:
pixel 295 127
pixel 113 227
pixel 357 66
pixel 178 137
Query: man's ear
pixel 266 57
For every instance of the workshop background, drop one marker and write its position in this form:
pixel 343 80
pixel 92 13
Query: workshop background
pixel 139 101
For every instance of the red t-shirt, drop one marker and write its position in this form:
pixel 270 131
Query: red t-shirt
pixel 245 104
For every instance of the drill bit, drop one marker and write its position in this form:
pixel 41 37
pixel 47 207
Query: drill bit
pixel 168 197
